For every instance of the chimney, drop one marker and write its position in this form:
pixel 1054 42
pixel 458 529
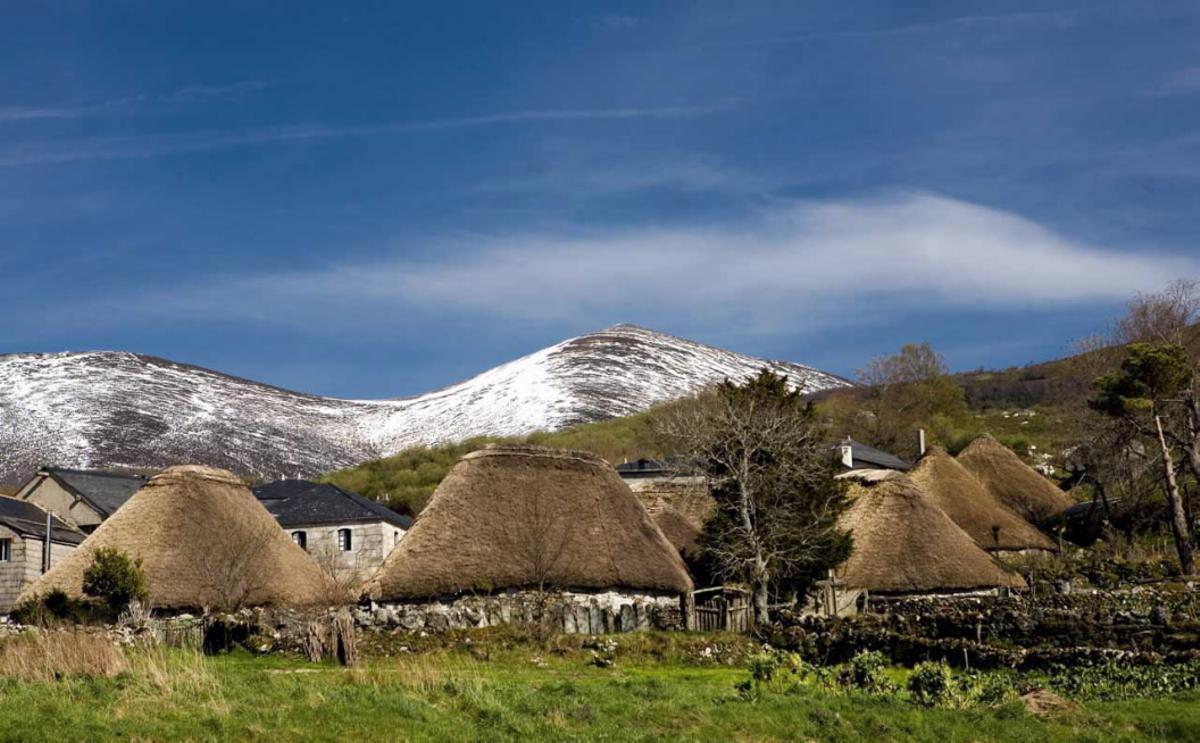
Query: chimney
pixel 921 440
pixel 847 456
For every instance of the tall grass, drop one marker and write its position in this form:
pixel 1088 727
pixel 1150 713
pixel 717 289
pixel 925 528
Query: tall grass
pixel 42 657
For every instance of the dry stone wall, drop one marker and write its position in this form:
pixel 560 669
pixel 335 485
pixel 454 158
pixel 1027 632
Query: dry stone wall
pixel 572 613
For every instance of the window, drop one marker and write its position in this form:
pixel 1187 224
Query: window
pixel 396 537
pixel 344 540
pixel 301 539
pixel 5 550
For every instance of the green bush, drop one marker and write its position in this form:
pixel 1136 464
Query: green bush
pixel 115 578
pixel 867 672
pixel 931 684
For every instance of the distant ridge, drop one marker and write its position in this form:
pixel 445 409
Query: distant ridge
pixel 112 409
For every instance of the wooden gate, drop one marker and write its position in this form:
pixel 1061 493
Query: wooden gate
pixel 724 608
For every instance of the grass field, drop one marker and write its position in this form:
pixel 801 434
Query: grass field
pixel 451 695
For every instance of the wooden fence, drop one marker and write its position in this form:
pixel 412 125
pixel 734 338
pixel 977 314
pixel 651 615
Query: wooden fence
pixel 723 608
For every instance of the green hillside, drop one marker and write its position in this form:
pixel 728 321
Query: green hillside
pixel 405 481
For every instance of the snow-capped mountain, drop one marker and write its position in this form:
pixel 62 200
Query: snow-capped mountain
pixel 123 410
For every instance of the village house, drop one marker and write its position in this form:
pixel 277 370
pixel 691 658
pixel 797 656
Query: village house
pixel 855 455
pixel 514 533
pixel 23 546
pixel 203 542
pixel 349 535
pixel 81 498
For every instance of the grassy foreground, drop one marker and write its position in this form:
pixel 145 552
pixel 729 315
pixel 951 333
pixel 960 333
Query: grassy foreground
pixel 450 695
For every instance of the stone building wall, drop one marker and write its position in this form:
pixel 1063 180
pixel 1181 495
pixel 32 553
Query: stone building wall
pixel 24 566
pixel 370 543
pixel 572 612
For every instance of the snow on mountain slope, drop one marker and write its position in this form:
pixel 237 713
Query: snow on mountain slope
pixel 123 410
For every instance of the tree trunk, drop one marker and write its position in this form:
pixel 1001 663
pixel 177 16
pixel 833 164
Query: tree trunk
pixel 1179 524
pixel 762 614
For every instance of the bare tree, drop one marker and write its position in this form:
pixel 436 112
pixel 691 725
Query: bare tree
pixel 1162 317
pixel 539 538
pixel 771 474
pixel 907 390
pixel 233 572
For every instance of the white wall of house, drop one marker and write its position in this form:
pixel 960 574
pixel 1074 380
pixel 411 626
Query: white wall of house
pixel 24 565
pixel 370 543
pixel 47 493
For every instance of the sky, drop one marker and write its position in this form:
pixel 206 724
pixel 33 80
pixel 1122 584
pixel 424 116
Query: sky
pixel 384 198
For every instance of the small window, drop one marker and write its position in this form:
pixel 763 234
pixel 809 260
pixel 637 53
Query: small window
pixel 301 540
pixel 344 542
pixel 5 550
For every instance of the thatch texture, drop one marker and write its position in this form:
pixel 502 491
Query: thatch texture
pixel 204 541
pixel 1011 481
pixel 530 517
pixel 990 523
pixel 903 543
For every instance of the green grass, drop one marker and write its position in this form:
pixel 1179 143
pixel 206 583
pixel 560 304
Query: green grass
pixel 449 695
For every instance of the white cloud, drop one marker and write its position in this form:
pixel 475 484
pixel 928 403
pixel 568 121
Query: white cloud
pixel 806 259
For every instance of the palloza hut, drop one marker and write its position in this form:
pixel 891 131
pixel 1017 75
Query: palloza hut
pixel 204 541
pixel 523 517
pixel 992 525
pixel 904 544
pixel 1011 481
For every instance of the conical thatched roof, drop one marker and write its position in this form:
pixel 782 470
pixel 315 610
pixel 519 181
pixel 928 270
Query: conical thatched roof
pixel 1011 481
pixel 204 541
pixel 680 506
pixel 989 522
pixel 903 543
pixel 522 516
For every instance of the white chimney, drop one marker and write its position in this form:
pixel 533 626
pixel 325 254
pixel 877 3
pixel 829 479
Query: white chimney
pixel 921 440
pixel 847 456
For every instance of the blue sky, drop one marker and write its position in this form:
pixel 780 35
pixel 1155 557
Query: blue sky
pixel 378 200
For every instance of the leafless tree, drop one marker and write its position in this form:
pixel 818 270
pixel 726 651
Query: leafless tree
pixel 772 476
pixel 540 537
pixel 233 571
pixel 1161 317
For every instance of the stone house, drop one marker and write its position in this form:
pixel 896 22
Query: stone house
pixel 348 534
pixel 81 498
pixel 22 546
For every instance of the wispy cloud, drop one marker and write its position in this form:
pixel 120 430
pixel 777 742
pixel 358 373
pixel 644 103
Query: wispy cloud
pixel 789 266
pixel 138 105
pixel 154 145
pixel 1054 18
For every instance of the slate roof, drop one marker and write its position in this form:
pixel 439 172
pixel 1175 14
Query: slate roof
pixel 103 490
pixel 305 503
pixel 869 458
pixel 28 520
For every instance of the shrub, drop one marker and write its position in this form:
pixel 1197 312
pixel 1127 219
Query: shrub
pixel 115 578
pixel 866 672
pixel 931 684
pixel 54 608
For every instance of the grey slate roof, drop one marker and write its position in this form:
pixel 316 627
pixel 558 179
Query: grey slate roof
pixel 868 457
pixel 105 491
pixel 305 503
pixel 28 520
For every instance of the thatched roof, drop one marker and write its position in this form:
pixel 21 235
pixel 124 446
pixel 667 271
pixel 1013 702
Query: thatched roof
pixel 990 523
pixel 1011 481
pixel 681 506
pixel 523 516
pixel 204 541
pixel 903 543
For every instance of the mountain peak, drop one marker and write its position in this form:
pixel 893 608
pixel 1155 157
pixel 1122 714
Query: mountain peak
pixel 114 409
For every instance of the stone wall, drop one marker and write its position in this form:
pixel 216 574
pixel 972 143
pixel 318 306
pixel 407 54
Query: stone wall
pixel 369 544
pixel 24 566
pixel 574 612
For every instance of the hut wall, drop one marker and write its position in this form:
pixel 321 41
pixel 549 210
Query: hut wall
pixel 369 544
pixel 24 566
pixel 570 612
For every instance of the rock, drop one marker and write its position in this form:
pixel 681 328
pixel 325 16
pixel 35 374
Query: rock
pixel 1043 703
pixel 1159 616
